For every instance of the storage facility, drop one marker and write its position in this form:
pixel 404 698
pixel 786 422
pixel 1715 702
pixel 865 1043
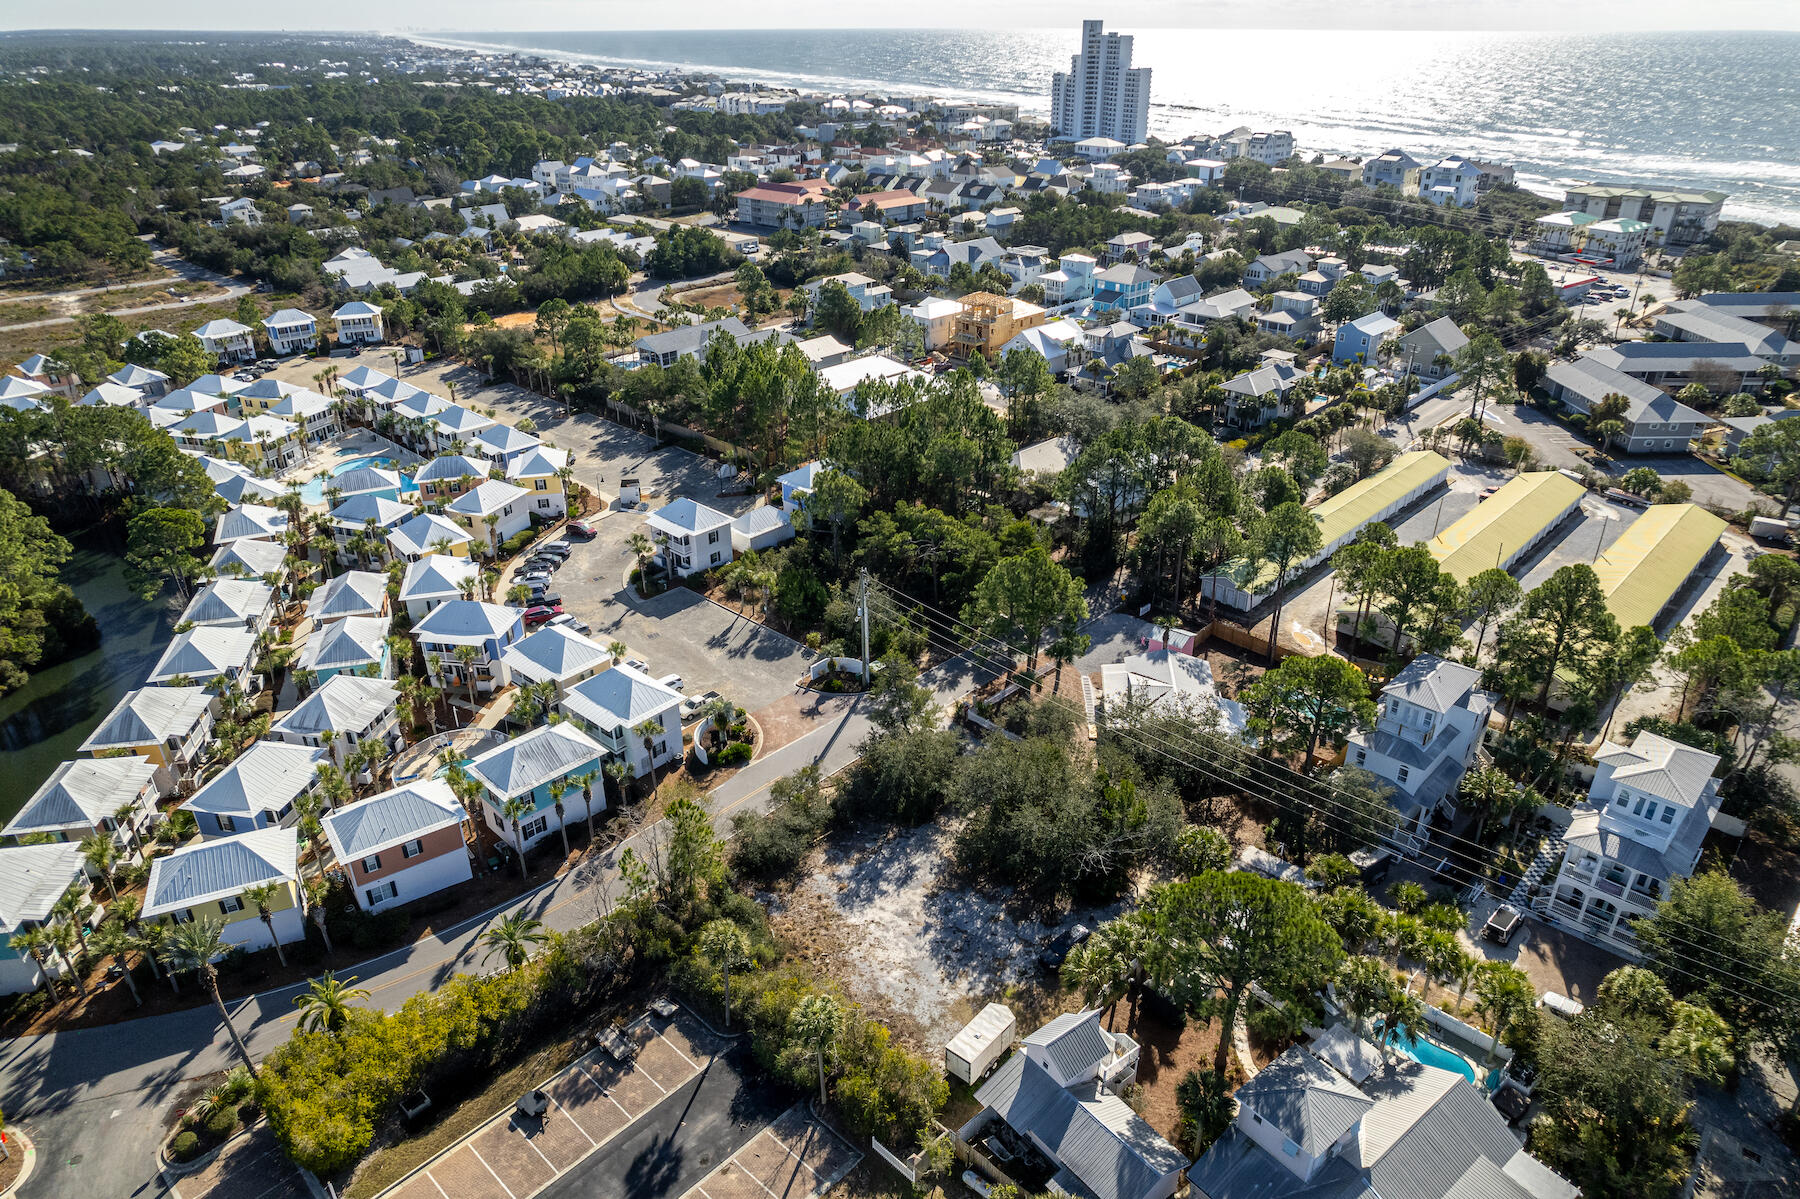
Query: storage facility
pixel 982 1042
pixel 1507 525
pixel 1650 563
pixel 1341 517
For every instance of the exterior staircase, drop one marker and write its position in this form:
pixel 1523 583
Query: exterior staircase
pixel 1535 873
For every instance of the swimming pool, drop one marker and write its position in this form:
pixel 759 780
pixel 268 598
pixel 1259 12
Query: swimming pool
pixel 1430 1053
pixel 313 491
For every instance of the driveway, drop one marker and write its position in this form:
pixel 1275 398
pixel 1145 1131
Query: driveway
pixel 678 632
pixel 250 1167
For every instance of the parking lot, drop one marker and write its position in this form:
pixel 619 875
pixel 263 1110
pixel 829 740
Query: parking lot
pixel 677 632
pixel 592 1104
pixel 792 1158
pixel 250 1167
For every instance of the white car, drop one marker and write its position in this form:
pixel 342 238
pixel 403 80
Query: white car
pixel 672 681
pixel 567 621
pixel 638 664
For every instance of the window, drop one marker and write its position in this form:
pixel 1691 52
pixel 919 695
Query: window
pixel 1622 798
pixel 1668 814
pixel 182 916
pixel 715 557
pixel 1362 755
pixel 541 485
pixel 412 849
pixel 372 863
pixel 1288 1147
pixel 1404 771
pixel 532 828
pixel 1637 809
pixel 543 503
pixel 230 904
pixel 387 890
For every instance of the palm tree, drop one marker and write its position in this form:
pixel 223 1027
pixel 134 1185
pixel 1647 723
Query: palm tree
pixel 1401 1013
pixel 514 938
pixel 1362 985
pixel 618 649
pixel 1485 788
pixel 262 898
pixel 726 946
pixel 618 770
pixel 650 729
pixel 1101 972
pixel 326 1004
pixel 125 816
pixel 815 1024
pixel 586 782
pixel 1504 995
pixel 466 656
pixel 316 893
pixel 113 940
pixel 102 854
pixel 193 946
pixel 513 811
pixel 36 943
pixel 641 549
pixel 558 789
pixel 151 938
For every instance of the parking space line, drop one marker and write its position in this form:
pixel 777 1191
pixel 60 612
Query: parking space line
pixel 605 1091
pixel 684 1057
pixel 570 1117
pixel 646 1076
pixel 432 1179
pixel 476 1153
pixel 753 1178
pixel 553 1170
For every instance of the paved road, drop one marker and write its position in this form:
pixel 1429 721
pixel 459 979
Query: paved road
pixel 91 1088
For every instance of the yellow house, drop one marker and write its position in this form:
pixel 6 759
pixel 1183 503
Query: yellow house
pixel 988 321
pixel 168 725
pixel 207 880
pixel 541 472
pixel 427 533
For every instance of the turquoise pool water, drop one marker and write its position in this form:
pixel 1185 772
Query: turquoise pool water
pixel 444 771
pixel 1430 1053
pixel 313 491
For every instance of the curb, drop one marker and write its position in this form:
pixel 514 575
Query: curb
pixel 30 1163
pixel 174 1169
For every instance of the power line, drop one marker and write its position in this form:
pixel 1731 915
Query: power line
pixel 1274 774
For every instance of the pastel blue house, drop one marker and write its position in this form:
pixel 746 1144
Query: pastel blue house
pixel 488 628
pixel 258 790
pixel 1122 288
pixel 353 645
pixel 1360 340
pixel 526 768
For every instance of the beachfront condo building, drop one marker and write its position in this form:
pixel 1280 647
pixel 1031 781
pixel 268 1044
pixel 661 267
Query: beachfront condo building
pixel 1101 94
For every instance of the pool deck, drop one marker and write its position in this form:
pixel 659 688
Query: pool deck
pixel 327 459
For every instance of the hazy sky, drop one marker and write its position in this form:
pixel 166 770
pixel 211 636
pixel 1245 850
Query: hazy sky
pixel 1588 16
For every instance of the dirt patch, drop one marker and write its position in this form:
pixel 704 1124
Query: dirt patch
pixel 886 914
pixel 1167 1051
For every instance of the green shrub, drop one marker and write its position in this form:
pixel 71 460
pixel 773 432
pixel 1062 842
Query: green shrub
pixel 184 1147
pixel 735 754
pixel 1273 1027
pixel 219 1125
pixel 518 541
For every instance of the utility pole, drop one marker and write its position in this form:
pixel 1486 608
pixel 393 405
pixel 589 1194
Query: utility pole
pixel 862 583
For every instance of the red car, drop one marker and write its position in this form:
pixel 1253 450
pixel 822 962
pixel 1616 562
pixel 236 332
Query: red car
pixel 581 529
pixel 541 613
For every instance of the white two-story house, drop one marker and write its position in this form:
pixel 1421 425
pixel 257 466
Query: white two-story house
pixel 692 537
pixel 1430 719
pixel 290 331
pixel 1646 814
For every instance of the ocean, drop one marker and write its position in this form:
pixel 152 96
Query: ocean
pixel 1695 110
